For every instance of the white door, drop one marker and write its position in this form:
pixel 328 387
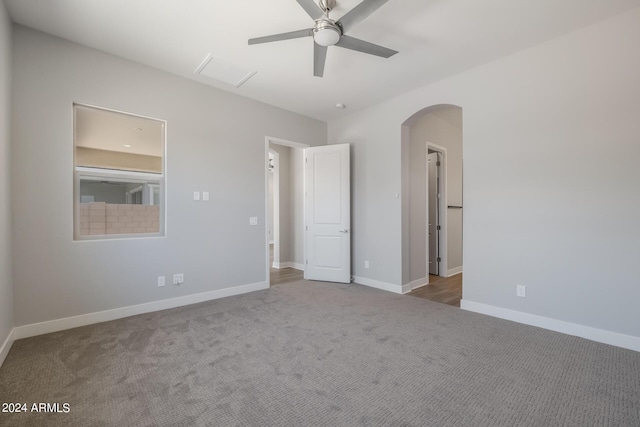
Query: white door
pixel 328 213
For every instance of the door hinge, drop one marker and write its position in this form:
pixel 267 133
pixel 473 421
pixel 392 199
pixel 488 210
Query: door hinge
pixel 306 160
pixel 438 163
pixel 438 227
pixel 438 259
pixel 306 228
pixel 306 261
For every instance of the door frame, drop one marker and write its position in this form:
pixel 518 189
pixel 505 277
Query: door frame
pixel 443 268
pixel 267 141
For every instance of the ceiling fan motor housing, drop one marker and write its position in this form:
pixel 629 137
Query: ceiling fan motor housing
pixel 327 5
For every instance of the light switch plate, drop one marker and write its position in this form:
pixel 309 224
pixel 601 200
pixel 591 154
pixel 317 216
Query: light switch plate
pixel 196 195
pixel 205 196
pixel 253 220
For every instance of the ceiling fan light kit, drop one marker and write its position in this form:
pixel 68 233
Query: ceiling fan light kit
pixel 327 32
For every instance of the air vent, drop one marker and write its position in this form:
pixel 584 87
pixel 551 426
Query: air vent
pixel 222 71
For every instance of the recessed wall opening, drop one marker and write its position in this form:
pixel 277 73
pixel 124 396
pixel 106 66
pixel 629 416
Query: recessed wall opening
pixel 118 174
pixel 432 203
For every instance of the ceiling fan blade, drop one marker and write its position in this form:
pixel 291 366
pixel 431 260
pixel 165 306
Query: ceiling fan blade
pixel 358 13
pixel 319 58
pixel 282 36
pixel 353 43
pixel 311 8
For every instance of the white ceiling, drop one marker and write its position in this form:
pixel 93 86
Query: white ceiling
pixel 435 38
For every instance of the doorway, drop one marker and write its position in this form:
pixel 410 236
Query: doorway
pixel 432 188
pixel 284 190
pixel 436 208
pixel 434 215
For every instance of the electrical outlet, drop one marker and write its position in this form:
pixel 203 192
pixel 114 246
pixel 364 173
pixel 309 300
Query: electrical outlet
pixel 178 279
pixel 161 281
pixel 366 264
pixel 521 291
pixel 253 220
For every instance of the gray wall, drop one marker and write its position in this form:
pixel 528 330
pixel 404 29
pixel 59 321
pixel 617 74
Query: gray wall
pixel 558 209
pixel 215 143
pixel 6 279
pixel 444 128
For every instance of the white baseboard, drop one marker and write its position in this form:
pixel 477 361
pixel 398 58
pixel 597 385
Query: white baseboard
pixel 454 271
pixel 415 284
pixel 381 285
pixel 6 345
pixel 288 265
pixel 118 313
pixel 593 334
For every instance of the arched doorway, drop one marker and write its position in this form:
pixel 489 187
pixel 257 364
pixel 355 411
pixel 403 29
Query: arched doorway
pixel 433 207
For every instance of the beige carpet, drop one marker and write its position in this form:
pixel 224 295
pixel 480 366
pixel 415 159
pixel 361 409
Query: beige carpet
pixel 320 354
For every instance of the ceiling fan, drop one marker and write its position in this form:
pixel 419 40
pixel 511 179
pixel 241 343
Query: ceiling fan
pixel 327 32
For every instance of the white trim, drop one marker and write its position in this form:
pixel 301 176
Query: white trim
pixel 286 142
pixel 125 175
pixel 295 265
pixel 593 334
pixel 132 310
pixel 390 287
pixel 140 116
pixel 6 345
pixel 454 271
pixel 415 284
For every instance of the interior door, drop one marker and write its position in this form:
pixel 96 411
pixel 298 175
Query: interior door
pixel 433 209
pixel 328 213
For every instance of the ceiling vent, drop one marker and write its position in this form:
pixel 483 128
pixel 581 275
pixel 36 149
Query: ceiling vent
pixel 223 71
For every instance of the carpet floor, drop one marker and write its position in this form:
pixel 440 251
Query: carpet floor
pixel 320 354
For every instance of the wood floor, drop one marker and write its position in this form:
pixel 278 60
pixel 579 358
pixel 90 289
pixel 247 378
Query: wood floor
pixel 285 275
pixel 278 276
pixel 447 290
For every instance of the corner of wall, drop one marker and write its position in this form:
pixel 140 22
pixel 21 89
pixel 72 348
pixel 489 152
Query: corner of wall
pixel 6 346
pixel 6 260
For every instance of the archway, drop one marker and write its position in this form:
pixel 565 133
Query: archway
pixel 431 237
